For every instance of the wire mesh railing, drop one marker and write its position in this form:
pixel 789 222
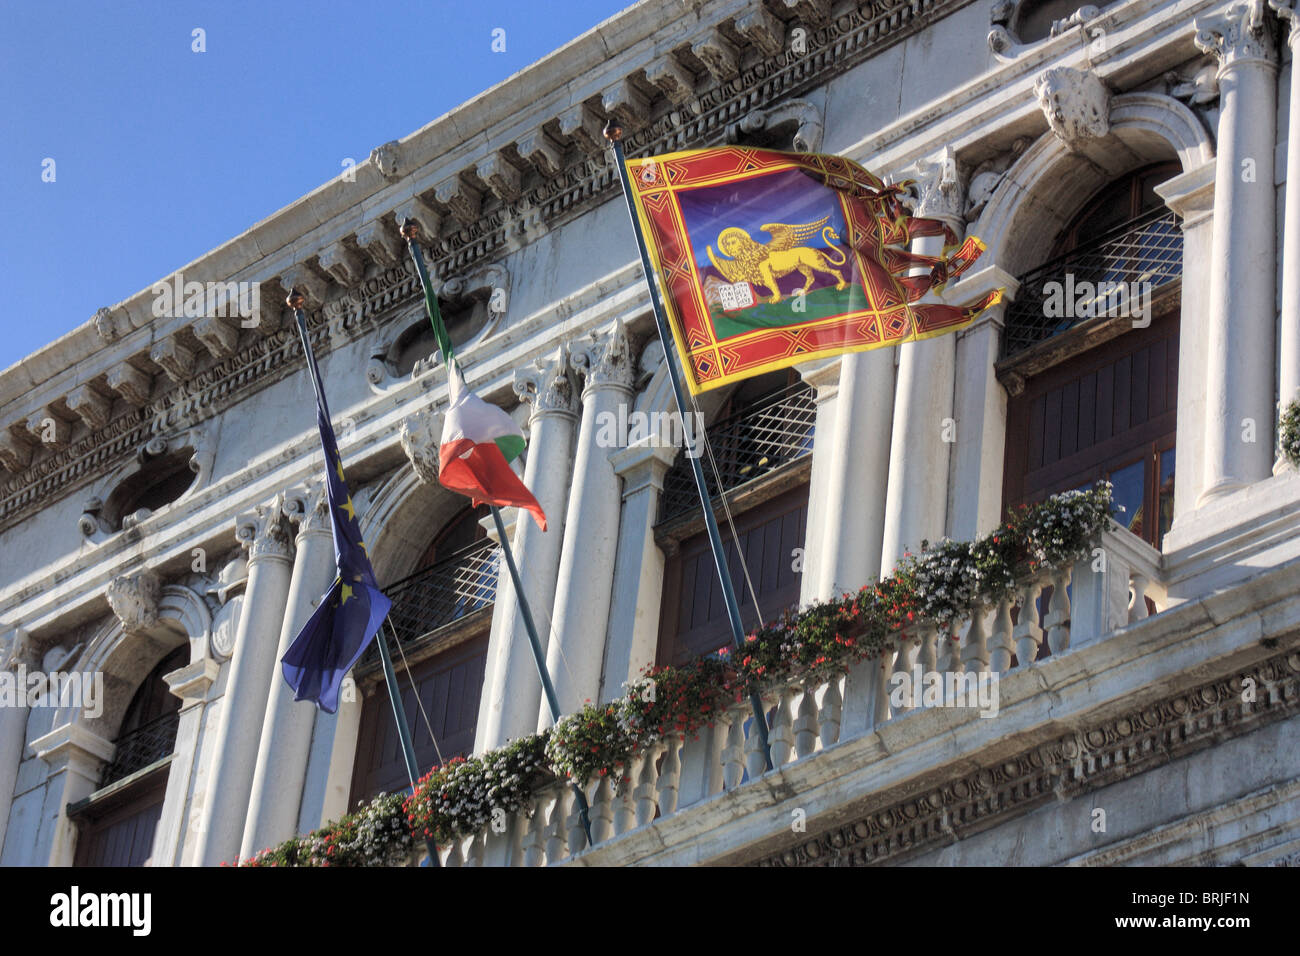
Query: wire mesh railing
pixel 772 432
pixel 1116 274
pixel 444 592
pixel 139 748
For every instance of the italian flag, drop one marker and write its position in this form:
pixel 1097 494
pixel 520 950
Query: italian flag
pixel 479 441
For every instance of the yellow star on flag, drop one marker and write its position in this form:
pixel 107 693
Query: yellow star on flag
pixel 345 593
pixel 339 467
pixel 347 506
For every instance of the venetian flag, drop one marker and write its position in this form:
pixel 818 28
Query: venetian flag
pixel 352 610
pixel 767 259
pixel 479 440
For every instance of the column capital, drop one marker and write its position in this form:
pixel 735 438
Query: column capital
pixel 265 533
pixel 73 747
pixel 823 376
pixel 941 189
pixel 307 506
pixel 1292 19
pixel 643 465
pixel 1238 35
pixel 605 359
pixel 134 599
pixel 191 682
pixel 548 386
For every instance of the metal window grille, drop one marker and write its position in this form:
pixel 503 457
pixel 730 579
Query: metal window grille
pixel 147 744
pixel 764 436
pixel 444 592
pixel 1148 249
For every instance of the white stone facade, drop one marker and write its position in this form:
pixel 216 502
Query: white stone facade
pixel 1009 135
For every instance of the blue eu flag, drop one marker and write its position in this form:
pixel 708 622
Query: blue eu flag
pixel 350 613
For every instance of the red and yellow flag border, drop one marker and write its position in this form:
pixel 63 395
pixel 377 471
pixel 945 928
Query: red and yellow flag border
pixel 878 226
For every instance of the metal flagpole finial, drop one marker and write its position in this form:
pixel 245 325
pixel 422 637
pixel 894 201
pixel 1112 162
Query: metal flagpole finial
pixel 613 131
pixel 295 300
pixel 409 228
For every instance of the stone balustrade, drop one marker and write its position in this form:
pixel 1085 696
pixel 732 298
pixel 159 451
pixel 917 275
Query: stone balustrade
pixel 1106 590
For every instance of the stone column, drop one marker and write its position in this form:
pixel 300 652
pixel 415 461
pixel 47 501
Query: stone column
pixel 75 757
pixel 825 380
pixel 265 534
pixel 191 684
pixel 854 509
pixel 586 577
pixel 287 730
pixel 916 503
pixel 1289 346
pixel 15 650
pixel 511 689
pixel 979 411
pixel 638 565
pixel 329 770
pixel 1239 345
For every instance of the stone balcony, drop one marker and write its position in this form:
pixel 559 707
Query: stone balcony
pixel 861 778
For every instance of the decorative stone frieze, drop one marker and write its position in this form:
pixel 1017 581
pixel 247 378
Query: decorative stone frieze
pixel 542 151
pixel 626 105
pixel 134 600
pixel 387 159
pixel 1242 32
pixel 343 263
pixel 15 454
pixel 605 358
pixel 806 118
pixel 462 200
pixel 548 385
pixel 814 12
pixel 1076 104
pixel 265 533
pixel 421 437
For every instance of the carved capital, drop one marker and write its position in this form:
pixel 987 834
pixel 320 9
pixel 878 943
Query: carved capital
pixel 343 264
pixel 307 506
pixel 548 385
pixel 815 12
pixel 265 532
pixel 1240 33
pixel 605 358
pixel 1076 104
pixel 421 436
pixel 940 188
pixel 176 359
pixel 134 599
pixel 1291 17
pixel 131 383
pixel 387 159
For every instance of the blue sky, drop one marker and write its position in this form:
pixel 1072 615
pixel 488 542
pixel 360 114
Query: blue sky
pixel 162 153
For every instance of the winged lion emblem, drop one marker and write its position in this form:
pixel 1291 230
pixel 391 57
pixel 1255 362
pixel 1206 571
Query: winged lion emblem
pixel 764 263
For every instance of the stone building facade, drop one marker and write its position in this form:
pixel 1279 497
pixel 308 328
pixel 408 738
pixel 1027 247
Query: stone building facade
pixel 163 532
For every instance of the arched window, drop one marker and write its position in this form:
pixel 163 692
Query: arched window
pixel 442 615
pixel 761 438
pixel 118 821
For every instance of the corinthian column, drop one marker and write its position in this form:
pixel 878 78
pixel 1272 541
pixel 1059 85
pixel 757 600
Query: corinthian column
pixel 286 732
pixel 265 534
pixel 1239 345
pixel 511 688
pixel 586 576
pixel 15 650
pixel 916 503
pixel 1289 359
pixel 819 534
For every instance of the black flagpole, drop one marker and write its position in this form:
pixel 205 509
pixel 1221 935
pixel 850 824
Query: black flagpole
pixel 409 232
pixel 614 133
pixel 295 301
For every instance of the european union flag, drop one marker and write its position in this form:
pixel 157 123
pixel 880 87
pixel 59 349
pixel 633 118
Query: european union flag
pixel 352 610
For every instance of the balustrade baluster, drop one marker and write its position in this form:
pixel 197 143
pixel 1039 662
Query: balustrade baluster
pixel 473 850
pixel 602 810
pixel 828 715
pixel 1027 633
pixel 577 835
pixel 733 753
pixel 624 804
pixel 755 759
pixel 880 712
pixel 1058 617
pixel 975 653
pixel 534 833
pixel 1137 609
pixel 781 739
pixel 909 647
pixel 646 785
pixel 1001 646
pixel 670 775
pixel 555 835
pixel 805 723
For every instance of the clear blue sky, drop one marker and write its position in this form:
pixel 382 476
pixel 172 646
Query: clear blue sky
pixel 162 153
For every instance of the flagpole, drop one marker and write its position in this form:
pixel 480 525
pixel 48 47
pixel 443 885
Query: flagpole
pixel 409 232
pixel 296 301
pixel 614 133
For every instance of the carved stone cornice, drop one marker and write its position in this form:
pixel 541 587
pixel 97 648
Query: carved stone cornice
pixel 379 240
pixel 538 148
pixel 134 599
pixel 604 359
pixel 1240 34
pixel 1092 756
pixel 15 453
pixel 549 386
pixel 176 360
pixel 48 428
pixel 500 175
pixel 218 336
pixel 1076 104
pixel 265 532
pixel 718 55
pixel 762 29
pixel 305 279
pixel 671 78
pixel 130 383
pixel 462 200
pixel 343 263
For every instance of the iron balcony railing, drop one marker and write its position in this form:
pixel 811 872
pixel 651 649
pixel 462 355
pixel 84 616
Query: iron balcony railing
pixel 147 744
pixel 444 592
pixel 764 436
pixel 1052 299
